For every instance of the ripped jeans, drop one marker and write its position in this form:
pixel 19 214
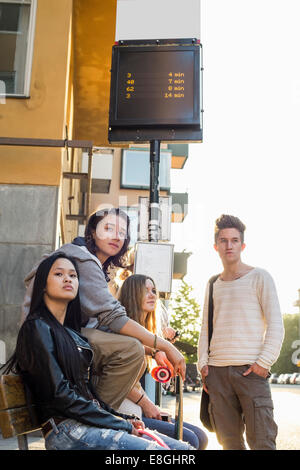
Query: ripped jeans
pixel 72 435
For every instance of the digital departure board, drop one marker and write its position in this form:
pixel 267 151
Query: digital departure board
pixel 155 89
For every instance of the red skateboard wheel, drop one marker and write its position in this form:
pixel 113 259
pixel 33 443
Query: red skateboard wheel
pixel 161 374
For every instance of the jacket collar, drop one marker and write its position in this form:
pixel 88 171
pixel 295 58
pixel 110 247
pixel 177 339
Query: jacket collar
pixel 79 339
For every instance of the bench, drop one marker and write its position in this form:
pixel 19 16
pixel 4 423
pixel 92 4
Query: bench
pixel 17 418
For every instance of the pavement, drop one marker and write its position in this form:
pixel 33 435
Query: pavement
pixel 286 409
pixel 286 399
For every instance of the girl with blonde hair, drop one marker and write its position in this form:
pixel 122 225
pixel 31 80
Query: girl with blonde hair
pixel 139 296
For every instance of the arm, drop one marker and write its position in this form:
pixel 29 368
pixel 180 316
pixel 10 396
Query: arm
pixel 51 386
pixel 170 334
pixel 95 297
pixel 94 294
pixel 149 409
pixel 164 328
pixel 203 342
pixel 274 332
pixel 160 358
pixel 132 328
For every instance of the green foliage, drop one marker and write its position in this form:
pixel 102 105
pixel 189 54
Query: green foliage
pixel 284 363
pixel 185 317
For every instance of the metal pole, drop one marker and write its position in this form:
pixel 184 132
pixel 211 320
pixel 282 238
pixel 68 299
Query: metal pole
pixel 154 216
pixel 154 211
pixel 22 442
pixel 178 407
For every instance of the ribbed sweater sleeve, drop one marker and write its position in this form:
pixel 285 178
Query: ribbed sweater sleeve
pixel 274 332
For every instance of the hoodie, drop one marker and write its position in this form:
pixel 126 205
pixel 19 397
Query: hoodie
pixel 97 303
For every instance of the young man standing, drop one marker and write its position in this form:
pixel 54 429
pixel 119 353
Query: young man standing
pixel 246 341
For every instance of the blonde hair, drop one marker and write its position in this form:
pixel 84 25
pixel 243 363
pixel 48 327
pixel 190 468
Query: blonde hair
pixel 131 296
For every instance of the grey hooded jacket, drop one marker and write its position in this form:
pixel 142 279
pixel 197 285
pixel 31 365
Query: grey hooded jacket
pixel 97 302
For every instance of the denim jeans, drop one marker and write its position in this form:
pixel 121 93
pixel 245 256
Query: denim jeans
pixel 191 434
pixel 72 435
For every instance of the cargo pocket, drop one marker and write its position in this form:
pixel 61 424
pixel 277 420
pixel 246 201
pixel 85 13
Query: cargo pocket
pixel 265 428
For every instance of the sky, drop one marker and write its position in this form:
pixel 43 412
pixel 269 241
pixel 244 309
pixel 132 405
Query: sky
pixel 248 164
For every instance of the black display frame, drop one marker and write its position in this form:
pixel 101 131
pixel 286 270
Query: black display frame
pixel 145 130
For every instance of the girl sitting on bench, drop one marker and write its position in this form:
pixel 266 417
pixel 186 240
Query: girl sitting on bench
pixel 139 297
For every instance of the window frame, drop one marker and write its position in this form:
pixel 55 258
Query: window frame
pixel 124 185
pixel 29 50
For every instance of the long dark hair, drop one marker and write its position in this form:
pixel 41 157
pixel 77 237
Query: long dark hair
pixel 95 218
pixel 66 349
pixel 73 314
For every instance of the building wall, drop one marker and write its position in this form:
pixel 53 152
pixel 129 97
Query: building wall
pixel 43 114
pixel 94 32
pixel 118 196
pixel 23 241
pixel 31 188
pixel 70 88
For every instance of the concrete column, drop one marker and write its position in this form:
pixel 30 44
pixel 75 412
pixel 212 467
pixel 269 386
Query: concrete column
pixel 28 225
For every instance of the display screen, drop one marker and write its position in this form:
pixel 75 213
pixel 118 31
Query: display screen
pixel 155 86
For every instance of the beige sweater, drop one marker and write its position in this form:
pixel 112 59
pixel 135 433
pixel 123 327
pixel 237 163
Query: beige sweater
pixel 247 324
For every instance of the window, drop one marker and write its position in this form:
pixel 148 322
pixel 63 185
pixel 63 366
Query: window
pixel 135 172
pixel 17 19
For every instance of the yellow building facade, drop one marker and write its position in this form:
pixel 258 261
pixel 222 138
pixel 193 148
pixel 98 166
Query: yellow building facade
pixel 67 97
pixel 55 64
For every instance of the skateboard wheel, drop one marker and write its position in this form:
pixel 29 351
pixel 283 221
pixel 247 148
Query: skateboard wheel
pixel 161 374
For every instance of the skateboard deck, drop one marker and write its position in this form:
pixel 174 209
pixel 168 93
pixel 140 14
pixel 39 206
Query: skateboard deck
pixel 178 407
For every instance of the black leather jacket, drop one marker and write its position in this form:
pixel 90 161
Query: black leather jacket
pixel 53 394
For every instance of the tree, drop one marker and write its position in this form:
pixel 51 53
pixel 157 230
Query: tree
pixel 185 317
pixel 284 363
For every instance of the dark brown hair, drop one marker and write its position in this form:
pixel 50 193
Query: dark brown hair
pixel 93 221
pixel 229 221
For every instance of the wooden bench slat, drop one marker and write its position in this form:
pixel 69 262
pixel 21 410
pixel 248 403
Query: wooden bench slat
pixel 16 421
pixel 12 393
pixel 17 418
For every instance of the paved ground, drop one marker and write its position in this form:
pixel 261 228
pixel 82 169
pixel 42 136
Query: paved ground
pixel 286 400
pixel 287 414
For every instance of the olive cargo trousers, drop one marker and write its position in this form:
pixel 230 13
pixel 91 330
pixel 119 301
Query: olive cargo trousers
pixel 118 364
pixel 238 402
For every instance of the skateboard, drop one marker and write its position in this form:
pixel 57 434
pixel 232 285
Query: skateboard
pixel 163 375
pixel 178 407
